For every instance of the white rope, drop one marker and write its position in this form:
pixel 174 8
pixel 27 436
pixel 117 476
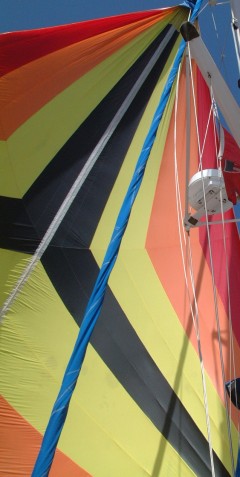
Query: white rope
pixel 221 144
pixel 203 8
pixel 201 361
pixel 180 222
pixel 231 350
pixel 188 108
pixel 83 175
pixel 194 100
pixel 195 318
pixel 223 222
pixel 200 150
pixel 219 155
pixel 205 136
pixel 181 229
pixel 214 285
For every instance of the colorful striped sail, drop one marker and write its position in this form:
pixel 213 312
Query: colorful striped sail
pixel 77 103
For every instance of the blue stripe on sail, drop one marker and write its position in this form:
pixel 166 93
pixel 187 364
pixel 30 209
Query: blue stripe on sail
pixel 60 408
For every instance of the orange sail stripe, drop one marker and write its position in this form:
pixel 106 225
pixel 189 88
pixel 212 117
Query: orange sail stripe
pixel 50 75
pixel 163 235
pixel 20 444
pixel 19 48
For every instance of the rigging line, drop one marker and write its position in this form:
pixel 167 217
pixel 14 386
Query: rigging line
pixel 179 205
pixel 181 238
pixel 203 8
pixel 231 350
pixel 194 102
pixel 211 111
pixel 214 289
pixel 219 154
pixel 94 306
pixel 206 133
pixel 218 149
pixel 93 309
pixel 201 358
pixel 194 319
pixel 194 99
pixel 188 112
pixel 181 229
pixel 66 204
pixel 200 150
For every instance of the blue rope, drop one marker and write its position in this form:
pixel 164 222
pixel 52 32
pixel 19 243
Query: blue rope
pixel 60 408
pixel 237 471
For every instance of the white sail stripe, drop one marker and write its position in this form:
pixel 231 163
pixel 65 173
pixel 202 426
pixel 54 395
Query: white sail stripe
pixel 83 174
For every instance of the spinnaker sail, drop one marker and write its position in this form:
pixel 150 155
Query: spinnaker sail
pixel 78 105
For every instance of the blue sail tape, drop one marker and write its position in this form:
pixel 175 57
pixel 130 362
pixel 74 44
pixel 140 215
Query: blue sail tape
pixel 60 408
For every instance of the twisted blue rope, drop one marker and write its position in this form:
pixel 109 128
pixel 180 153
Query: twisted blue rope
pixel 60 408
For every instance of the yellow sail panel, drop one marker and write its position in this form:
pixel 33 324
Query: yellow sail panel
pixel 138 407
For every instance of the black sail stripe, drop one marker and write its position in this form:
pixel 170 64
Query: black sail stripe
pixel 33 215
pixel 115 340
pixel 120 348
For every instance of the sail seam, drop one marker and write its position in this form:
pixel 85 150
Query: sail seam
pixel 78 183
pixel 55 424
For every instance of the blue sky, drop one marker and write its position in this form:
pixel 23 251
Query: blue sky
pixel 214 22
pixel 29 14
pixel 24 14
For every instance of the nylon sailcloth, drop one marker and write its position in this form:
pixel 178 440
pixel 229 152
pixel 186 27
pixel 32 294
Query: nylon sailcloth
pixel 77 103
